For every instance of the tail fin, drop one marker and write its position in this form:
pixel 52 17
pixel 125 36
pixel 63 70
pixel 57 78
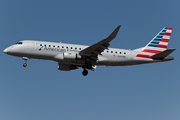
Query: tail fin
pixel 160 40
pixel 158 44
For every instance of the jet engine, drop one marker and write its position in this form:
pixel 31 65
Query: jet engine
pixel 71 56
pixel 66 67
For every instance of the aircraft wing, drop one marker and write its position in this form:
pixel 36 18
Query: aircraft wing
pixel 93 50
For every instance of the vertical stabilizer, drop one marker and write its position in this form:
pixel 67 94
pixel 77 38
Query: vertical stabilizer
pixel 158 44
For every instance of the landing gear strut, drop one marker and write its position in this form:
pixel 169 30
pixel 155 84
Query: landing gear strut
pixel 88 65
pixel 25 59
pixel 85 72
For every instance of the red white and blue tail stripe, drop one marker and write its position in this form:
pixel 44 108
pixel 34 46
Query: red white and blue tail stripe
pixel 158 44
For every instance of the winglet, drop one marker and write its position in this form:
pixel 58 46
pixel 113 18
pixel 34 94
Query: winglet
pixel 114 33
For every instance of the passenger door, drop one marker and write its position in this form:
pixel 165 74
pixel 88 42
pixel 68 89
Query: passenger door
pixel 33 46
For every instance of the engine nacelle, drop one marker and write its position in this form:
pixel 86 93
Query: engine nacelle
pixel 66 67
pixel 71 56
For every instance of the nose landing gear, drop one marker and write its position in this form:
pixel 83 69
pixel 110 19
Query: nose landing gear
pixel 25 59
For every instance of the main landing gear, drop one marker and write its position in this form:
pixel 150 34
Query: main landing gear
pixel 88 66
pixel 25 59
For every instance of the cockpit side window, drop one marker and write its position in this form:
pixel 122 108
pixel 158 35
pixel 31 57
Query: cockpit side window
pixel 19 43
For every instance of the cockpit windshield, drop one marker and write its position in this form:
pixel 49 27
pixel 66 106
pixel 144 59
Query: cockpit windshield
pixel 19 43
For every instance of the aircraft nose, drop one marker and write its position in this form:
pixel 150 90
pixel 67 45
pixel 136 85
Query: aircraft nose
pixel 5 51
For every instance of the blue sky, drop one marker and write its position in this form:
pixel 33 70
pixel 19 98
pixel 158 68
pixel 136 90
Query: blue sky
pixel 42 92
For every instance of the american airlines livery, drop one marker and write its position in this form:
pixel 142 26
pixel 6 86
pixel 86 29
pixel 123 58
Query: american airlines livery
pixel 72 56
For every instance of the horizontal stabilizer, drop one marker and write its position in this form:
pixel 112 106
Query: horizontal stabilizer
pixel 163 53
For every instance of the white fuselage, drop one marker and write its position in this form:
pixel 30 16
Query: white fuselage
pixel 56 51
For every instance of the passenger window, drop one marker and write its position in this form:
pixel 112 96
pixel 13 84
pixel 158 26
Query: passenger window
pixel 45 45
pixel 40 44
pixel 119 52
pixel 71 48
pixel 79 48
pixel 67 47
pixel 116 52
pixel 107 51
pixel 75 48
pixel 124 52
pixel 53 45
pixel 111 51
pixel 49 45
pixel 58 46
pixel 62 46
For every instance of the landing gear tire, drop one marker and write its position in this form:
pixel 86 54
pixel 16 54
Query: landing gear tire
pixel 25 64
pixel 85 72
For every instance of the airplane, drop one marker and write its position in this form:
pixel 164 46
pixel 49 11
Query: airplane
pixel 73 56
